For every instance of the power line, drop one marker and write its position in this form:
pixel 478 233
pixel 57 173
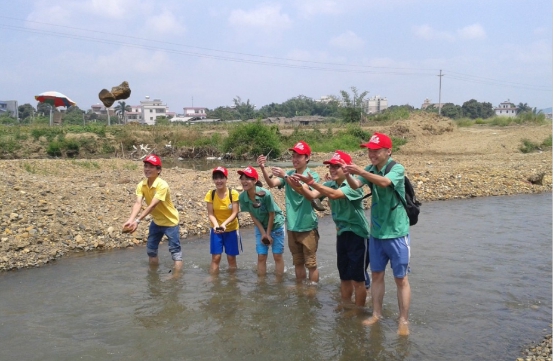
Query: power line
pixel 239 57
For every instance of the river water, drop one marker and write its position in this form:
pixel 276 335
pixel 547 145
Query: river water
pixel 481 288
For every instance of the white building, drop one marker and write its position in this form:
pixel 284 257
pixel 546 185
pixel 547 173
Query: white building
pixel 195 112
pixel 506 109
pixel 10 107
pixel 376 104
pixel 151 109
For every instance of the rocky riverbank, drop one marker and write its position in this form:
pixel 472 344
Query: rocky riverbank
pixel 53 207
pixel 541 351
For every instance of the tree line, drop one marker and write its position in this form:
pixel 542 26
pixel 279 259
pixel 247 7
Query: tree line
pixel 348 107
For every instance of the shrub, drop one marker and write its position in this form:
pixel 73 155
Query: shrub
pixel 253 139
pixel 54 149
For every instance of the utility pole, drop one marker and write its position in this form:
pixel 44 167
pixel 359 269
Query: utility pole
pixel 440 86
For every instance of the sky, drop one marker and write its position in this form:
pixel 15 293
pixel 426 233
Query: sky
pixel 207 53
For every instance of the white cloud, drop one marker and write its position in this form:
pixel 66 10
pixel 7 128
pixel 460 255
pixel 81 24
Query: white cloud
pixel 309 8
pixel 116 9
pixel 470 32
pixel 165 23
pixel 347 40
pixel 426 32
pixel 265 17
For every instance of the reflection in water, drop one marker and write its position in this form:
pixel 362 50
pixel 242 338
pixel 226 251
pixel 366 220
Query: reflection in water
pixel 162 307
pixel 470 299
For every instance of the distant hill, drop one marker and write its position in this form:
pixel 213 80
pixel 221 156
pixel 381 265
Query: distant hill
pixel 547 110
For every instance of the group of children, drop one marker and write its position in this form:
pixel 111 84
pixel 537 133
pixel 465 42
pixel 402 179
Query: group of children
pixel 358 244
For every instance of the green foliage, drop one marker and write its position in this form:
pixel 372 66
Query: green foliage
pixel 352 108
pixel 528 146
pixel 25 111
pixel 9 145
pixel 162 120
pixel 473 109
pixel 300 106
pixel 395 112
pixel 254 139
pixel 54 149
pixel 86 164
pixel 244 110
pixel 7 119
pixel 547 143
pixel 48 132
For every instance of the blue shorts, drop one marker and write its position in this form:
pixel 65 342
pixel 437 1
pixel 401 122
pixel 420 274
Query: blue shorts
pixel 278 245
pixel 352 257
pixel 229 241
pixel 155 234
pixel 397 250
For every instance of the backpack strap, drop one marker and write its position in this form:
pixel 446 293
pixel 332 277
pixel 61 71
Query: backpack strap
pixel 213 195
pixel 230 199
pixel 387 169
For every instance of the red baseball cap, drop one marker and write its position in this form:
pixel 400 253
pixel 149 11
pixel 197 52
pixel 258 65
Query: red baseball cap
pixel 378 141
pixel 249 172
pixel 153 159
pixel 338 156
pixel 222 170
pixel 301 148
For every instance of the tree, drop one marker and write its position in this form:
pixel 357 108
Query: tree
pixel 523 108
pixel 44 109
pixel 245 110
pixel 473 109
pixel 352 106
pixel 451 110
pixel 26 111
pixel 73 115
pixel 223 113
pixel 120 110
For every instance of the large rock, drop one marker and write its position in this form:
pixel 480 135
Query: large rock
pixel 122 91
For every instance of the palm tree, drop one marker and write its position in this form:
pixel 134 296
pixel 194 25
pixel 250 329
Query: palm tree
pixel 523 108
pixel 120 110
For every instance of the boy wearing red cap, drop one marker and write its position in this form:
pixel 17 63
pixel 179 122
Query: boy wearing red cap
pixel 351 223
pixel 165 217
pixel 301 220
pixel 390 238
pixel 223 207
pixel 268 218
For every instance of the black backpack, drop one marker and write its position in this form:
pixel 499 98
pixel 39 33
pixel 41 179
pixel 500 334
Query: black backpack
pixel 411 204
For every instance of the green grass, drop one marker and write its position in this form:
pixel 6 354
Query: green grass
pixel 30 168
pixel 86 164
pixel 529 146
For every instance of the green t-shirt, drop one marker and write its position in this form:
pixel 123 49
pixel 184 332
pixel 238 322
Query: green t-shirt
pixel 300 215
pixel 348 213
pixel 267 205
pixel 388 216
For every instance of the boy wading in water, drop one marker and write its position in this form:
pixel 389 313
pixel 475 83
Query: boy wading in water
pixel 165 217
pixel 352 227
pixel 301 220
pixel 390 226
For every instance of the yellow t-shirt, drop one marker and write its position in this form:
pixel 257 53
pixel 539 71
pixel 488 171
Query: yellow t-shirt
pixel 223 208
pixel 164 214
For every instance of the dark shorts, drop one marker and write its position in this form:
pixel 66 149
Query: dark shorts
pixel 352 257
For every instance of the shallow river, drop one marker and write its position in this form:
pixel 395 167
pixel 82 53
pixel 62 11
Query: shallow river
pixel 481 288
